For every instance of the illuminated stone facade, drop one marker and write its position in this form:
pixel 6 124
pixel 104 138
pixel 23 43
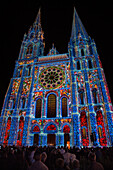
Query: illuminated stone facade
pixel 57 99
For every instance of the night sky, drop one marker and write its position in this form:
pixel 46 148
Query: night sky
pixel 56 18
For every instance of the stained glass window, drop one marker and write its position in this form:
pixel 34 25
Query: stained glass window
pixel 64 107
pixel 51 77
pixel 51 106
pixel 38 108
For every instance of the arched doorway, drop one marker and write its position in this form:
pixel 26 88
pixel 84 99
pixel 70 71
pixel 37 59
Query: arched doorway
pixel 51 130
pixel 36 131
pixel 66 131
pixel 51 139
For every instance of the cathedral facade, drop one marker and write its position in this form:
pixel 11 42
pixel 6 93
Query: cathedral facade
pixel 57 99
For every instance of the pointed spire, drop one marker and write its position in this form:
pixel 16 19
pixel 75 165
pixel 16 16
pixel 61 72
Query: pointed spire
pixel 38 19
pixel 77 27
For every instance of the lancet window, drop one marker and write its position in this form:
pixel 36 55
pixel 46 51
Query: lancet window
pixel 82 52
pixel 38 108
pixel 64 106
pixel 90 63
pixel 78 65
pixel 28 71
pixel 29 49
pixel 51 106
pixel 81 96
pixel 23 102
pixel 94 93
pixel 19 72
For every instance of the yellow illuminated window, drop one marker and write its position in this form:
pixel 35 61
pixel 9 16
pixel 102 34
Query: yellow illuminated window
pixel 100 132
pixel 51 108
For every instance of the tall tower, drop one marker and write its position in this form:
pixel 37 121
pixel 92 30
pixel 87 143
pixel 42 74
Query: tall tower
pixel 57 99
pixel 91 104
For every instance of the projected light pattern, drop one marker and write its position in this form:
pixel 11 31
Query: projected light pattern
pixel 57 99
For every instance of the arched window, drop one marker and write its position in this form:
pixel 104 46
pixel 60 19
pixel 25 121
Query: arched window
pixel 94 93
pixel 51 106
pixel 23 102
pixel 82 52
pixel 64 107
pixel 28 71
pixel 14 101
pixel 84 128
pixel 78 65
pixel 38 108
pixel 29 50
pixel 81 96
pixel 101 128
pixel 19 72
pixel 90 64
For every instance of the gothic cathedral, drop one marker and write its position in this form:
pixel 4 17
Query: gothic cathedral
pixel 57 99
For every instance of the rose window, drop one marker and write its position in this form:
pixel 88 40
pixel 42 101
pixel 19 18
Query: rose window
pixel 51 77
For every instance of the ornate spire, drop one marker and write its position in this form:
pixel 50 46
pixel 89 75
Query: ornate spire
pixel 35 32
pixel 78 28
pixel 37 23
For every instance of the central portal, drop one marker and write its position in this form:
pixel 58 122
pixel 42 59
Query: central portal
pixel 51 139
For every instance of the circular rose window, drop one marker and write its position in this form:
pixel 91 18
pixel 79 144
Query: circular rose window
pixel 51 77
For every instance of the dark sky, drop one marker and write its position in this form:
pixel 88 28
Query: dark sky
pixel 56 19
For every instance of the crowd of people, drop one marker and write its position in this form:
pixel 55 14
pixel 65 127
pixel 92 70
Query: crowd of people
pixel 51 158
